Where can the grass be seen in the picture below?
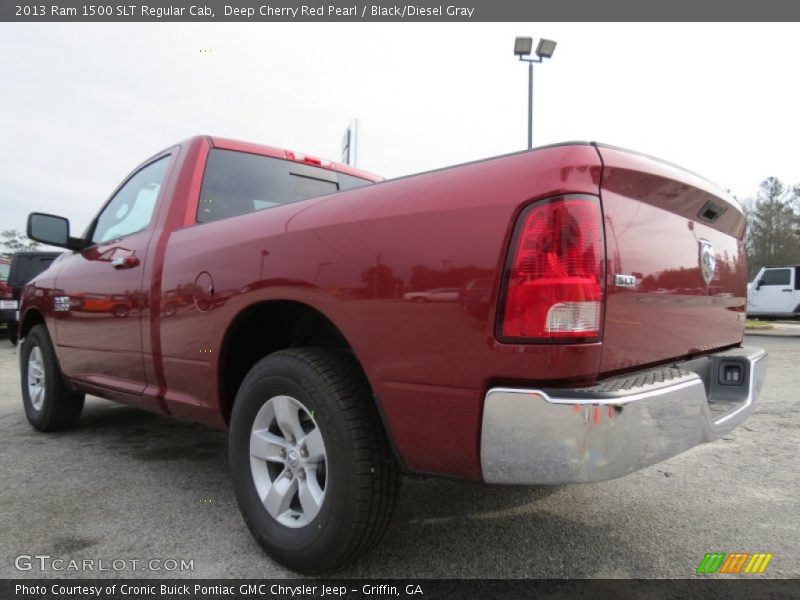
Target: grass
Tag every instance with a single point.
(757, 324)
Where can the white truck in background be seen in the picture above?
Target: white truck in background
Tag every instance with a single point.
(775, 292)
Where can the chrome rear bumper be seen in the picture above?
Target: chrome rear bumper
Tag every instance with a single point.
(620, 425)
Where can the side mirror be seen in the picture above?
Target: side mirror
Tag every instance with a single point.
(52, 230)
(759, 283)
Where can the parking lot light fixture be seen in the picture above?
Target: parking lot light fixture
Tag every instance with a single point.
(545, 48)
(522, 49)
(523, 46)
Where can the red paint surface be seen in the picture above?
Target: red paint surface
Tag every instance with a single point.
(652, 231)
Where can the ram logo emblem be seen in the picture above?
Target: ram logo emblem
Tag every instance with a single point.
(708, 262)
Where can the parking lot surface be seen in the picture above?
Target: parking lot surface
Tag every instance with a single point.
(128, 485)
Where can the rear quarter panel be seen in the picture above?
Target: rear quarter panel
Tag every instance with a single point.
(352, 256)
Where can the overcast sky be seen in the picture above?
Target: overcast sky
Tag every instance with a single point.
(82, 104)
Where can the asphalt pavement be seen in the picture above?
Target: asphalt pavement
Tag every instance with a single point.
(130, 486)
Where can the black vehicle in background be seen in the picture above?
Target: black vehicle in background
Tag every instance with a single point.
(24, 267)
(6, 298)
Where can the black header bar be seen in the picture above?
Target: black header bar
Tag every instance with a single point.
(408, 589)
(382, 10)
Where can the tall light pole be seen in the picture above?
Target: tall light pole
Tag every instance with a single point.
(522, 49)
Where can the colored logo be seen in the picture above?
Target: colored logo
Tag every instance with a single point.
(736, 562)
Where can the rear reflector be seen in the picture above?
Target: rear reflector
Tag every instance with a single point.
(554, 285)
(571, 317)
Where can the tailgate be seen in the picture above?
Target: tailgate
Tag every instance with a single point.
(677, 279)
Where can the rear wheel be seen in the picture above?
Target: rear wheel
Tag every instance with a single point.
(312, 470)
(49, 404)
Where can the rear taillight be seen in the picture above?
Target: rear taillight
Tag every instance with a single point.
(554, 277)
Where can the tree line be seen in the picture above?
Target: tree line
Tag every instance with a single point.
(12, 241)
(772, 237)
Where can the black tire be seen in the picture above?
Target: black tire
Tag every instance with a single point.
(60, 407)
(13, 332)
(362, 474)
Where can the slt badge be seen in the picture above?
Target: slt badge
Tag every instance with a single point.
(708, 262)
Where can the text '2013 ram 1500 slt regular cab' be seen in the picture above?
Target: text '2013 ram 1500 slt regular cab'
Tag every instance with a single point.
(593, 324)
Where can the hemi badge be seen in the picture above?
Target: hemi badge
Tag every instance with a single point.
(624, 281)
(60, 303)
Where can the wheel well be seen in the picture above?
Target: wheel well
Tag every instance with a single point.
(265, 328)
(29, 321)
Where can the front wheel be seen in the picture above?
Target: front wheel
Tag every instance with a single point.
(312, 470)
(49, 404)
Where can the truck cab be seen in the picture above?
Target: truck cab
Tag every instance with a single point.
(775, 292)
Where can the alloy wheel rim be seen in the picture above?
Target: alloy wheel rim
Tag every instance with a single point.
(288, 461)
(36, 383)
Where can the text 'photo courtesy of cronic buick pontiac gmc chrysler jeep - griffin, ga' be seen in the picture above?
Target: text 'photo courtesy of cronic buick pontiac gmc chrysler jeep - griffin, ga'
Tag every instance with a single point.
(568, 314)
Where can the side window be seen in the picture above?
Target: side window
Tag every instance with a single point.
(776, 277)
(238, 183)
(131, 209)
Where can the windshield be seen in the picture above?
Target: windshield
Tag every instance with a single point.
(4, 268)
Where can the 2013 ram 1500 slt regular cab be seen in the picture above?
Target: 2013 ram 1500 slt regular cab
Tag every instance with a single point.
(593, 323)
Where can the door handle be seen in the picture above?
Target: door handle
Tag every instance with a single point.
(787, 290)
(127, 262)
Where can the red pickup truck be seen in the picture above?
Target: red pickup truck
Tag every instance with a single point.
(271, 293)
